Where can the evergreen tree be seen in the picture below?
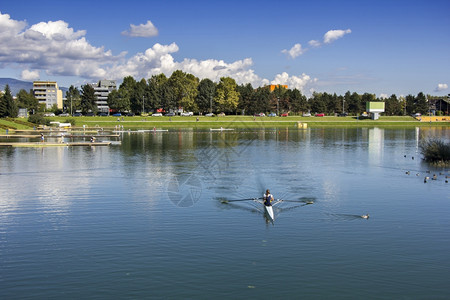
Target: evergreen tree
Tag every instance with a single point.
(73, 101)
(137, 96)
(2, 106)
(261, 101)
(156, 87)
(279, 100)
(27, 100)
(410, 104)
(88, 99)
(421, 104)
(126, 89)
(317, 103)
(205, 96)
(393, 106)
(245, 97)
(118, 100)
(8, 107)
(298, 101)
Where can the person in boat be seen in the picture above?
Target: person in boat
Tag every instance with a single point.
(268, 198)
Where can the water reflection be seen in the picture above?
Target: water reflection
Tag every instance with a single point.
(376, 145)
(72, 217)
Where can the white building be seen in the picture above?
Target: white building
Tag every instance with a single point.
(102, 90)
(48, 93)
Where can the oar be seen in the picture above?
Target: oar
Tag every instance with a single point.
(226, 201)
(298, 201)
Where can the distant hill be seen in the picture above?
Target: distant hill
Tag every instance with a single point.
(17, 85)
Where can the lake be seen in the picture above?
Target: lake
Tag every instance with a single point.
(146, 219)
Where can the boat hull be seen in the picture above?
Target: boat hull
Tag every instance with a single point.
(269, 211)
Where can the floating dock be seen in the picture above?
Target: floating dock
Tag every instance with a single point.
(221, 129)
(47, 144)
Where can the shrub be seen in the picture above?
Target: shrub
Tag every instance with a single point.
(38, 119)
(435, 151)
(71, 121)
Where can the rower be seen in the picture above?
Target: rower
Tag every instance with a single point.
(268, 198)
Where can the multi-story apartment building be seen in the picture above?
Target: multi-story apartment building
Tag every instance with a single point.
(102, 90)
(48, 93)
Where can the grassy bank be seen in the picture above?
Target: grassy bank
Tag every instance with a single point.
(236, 122)
(248, 121)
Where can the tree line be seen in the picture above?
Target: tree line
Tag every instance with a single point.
(184, 90)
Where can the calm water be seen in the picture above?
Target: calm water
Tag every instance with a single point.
(145, 219)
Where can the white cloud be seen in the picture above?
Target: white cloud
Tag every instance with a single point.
(9, 27)
(142, 30)
(333, 35)
(53, 47)
(298, 82)
(295, 51)
(328, 38)
(440, 87)
(57, 49)
(384, 96)
(58, 30)
(30, 75)
(314, 43)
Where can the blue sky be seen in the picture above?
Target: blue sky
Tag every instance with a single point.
(380, 47)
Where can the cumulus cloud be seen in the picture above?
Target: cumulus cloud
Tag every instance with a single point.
(142, 30)
(328, 38)
(30, 75)
(57, 49)
(441, 87)
(298, 82)
(333, 35)
(53, 47)
(295, 51)
(58, 31)
(9, 27)
(384, 96)
(314, 43)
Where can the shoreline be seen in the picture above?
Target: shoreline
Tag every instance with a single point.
(234, 122)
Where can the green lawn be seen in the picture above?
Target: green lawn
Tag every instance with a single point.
(233, 121)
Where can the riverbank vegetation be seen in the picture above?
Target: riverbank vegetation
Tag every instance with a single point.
(436, 151)
(185, 91)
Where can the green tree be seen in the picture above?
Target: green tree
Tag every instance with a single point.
(156, 88)
(354, 103)
(8, 107)
(227, 97)
(205, 96)
(330, 102)
(118, 100)
(317, 103)
(2, 106)
(299, 103)
(184, 90)
(421, 104)
(279, 100)
(393, 106)
(260, 101)
(73, 101)
(137, 96)
(127, 88)
(27, 100)
(88, 99)
(410, 104)
(246, 93)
